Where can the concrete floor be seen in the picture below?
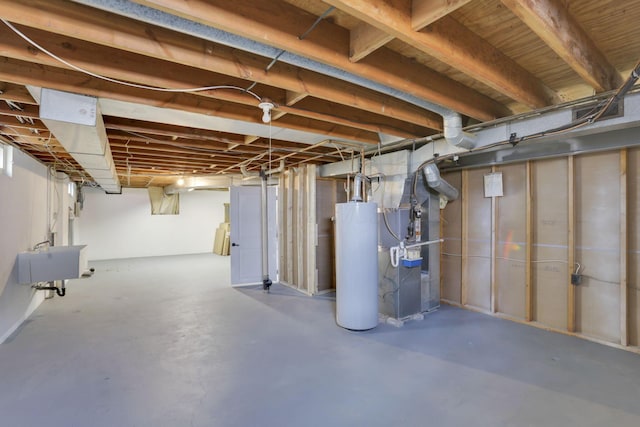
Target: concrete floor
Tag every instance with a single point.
(167, 342)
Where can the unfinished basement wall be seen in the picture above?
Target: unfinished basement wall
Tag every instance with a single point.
(121, 225)
(306, 209)
(512, 256)
(23, 224)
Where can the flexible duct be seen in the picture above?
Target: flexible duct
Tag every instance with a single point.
(452, 121)
(435, 181)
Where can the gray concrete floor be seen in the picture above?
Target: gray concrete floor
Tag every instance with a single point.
(166, 342)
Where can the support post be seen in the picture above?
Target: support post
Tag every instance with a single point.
(571, 243)
(528, 278)
(464, 275)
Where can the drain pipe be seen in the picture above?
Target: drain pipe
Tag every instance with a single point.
(266, 281)
(453, 132)
(61, 291)
(264, 225)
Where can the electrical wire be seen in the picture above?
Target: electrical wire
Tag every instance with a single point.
(542, 261)
(591, 117)
(122, 82)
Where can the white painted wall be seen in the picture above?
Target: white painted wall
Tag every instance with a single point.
(23, 223)
(121, 226)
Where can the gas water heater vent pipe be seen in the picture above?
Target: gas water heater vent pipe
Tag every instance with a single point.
(357, 188)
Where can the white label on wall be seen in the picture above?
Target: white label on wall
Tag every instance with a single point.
(493, 185)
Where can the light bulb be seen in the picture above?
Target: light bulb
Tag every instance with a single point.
(180, 181)
(266, 111)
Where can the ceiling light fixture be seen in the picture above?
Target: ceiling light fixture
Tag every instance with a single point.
(180, 181)
(266, 107)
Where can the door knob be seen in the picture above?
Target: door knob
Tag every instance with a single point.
(235, 244)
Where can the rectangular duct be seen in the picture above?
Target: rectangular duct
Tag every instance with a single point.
(77, 123)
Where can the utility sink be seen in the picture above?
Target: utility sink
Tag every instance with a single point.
(52, 263)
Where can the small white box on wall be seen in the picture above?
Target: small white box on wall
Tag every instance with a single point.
(493, 185)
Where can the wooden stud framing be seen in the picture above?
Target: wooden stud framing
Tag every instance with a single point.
(571, 243)
(624, 290)
(528, 298)
(290, 226)
(465, 242)
(282, 231)
(310, 230)
(299, 194)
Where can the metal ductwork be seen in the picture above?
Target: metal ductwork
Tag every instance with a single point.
(437, 183)
(77, 124)
(454, 134)
(452, 121)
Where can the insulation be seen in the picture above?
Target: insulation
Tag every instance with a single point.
(163, 204)
(597, 198)
(511, 242)
(452, 245)
(633, 235)
(479, 242)
(602, 193)
(550, 215)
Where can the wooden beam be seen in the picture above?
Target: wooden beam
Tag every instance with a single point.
(328, 44)
(552, 22)
(310, 228)
(91, 25)
(571, 244)
(364, 39)
(155, 72)
(294, 97)
(464, 273)
(290, 225)
(455, 45)
(173, 131)
(426, 12)
(624, 252)
(300, 229)
(528, 271)
(24, 73)
(16, 93)
(30, 111)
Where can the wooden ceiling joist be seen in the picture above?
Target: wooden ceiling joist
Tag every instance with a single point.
(484, 59)
(365, 39)
(127, 67)
(72, 81)
(553, 23)
(15, 93)
(282, 24)
(455, 45)
(105, 29)
(426, 12)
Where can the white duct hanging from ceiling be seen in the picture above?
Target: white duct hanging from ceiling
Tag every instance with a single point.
(76, 122)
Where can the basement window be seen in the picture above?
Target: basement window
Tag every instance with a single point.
(6, 160)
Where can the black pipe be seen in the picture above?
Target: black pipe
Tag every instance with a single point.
(61, 291)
